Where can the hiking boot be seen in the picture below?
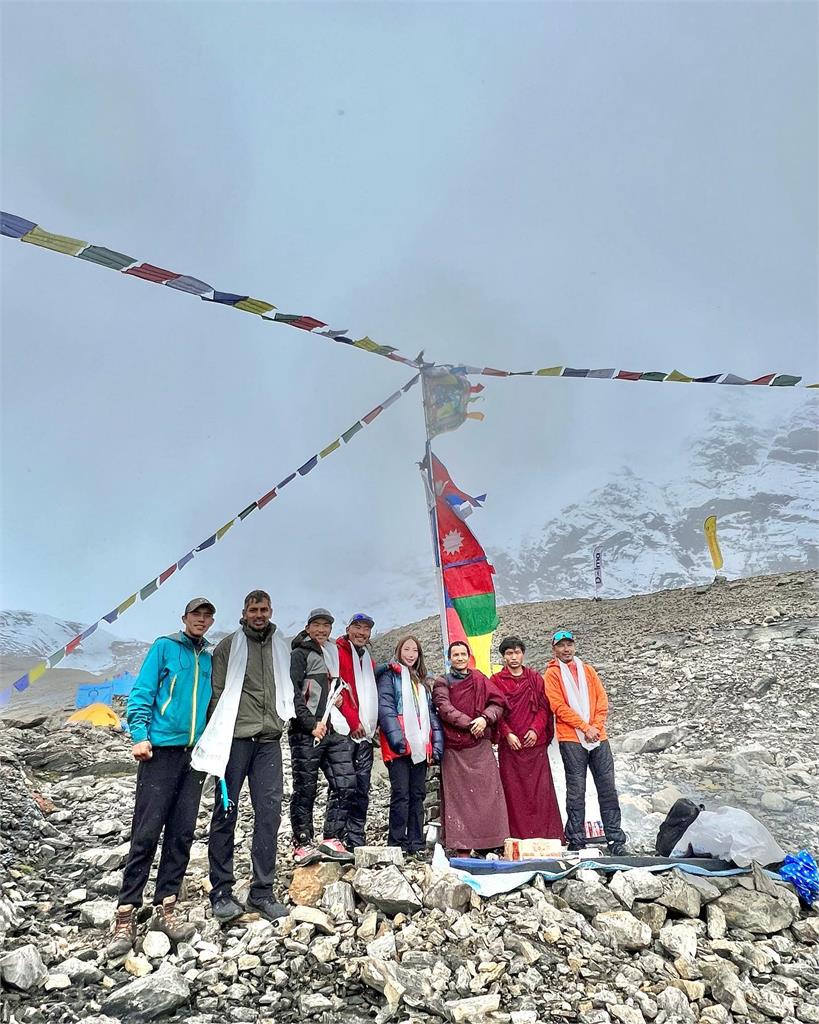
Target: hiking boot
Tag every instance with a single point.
(165, 920)
(617, 850)
(227, 908)
(306, 854)
(124, 932)
(334, 849)
(267, 907)
(576, 847)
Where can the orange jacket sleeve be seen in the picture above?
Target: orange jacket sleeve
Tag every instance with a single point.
(601, 700)
(557, 699)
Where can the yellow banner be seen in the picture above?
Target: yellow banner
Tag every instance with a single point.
(710, 528)
(481, 647)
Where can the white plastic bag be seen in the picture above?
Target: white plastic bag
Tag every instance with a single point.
(730, 834)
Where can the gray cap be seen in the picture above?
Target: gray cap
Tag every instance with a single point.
(200, 602)
(320, 613)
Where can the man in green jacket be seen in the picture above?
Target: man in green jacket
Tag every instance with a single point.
(166, 714)
(255, 755)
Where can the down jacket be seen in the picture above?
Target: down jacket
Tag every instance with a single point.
(391, 716)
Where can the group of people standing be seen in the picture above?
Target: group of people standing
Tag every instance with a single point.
(192, 713)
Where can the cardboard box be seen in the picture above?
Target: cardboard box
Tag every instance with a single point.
(532, 849)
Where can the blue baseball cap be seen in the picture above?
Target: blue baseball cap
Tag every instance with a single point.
(562, 634)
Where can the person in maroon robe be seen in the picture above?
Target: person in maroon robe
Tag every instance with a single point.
(469, 707)
(523, 736)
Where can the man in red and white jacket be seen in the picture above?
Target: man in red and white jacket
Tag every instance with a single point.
(360, 709)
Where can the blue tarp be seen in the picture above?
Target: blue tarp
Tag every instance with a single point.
(123, 684)
(94, 693)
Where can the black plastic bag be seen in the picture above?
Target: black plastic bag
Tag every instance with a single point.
(681, 815)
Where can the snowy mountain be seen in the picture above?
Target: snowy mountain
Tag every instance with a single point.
(34, 635)
(762, 485)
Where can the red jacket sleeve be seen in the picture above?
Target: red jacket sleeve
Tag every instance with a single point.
(447, 711)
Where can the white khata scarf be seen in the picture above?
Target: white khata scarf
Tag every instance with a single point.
(337, 720)
(367, 692)
(416, 716)
(577, 694)
(212, 752)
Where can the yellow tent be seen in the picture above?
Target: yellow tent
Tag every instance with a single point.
(96, 714)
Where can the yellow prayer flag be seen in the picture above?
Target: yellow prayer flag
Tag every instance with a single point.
(676, 375)
(368, 344)
(550, 371)
(224, 529)
(710, 528)
(59, 243)
(330, 448)
(254, 306)
(37, 671)
(481, 647)
(126, 604)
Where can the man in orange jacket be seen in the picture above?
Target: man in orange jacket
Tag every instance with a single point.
(580, 705)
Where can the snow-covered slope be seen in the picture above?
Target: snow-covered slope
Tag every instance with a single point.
(762, 485)
(34, 635)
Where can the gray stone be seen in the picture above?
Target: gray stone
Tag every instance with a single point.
(636, 884)
(23, 968)
(589, 898)
(373, 856)
(57, 982)
(447, 892)
(626, 1014)
(664, 799)
(338, 899)
(717, 924)
(625, 928)
(155, 945)
(807, 930)
(386, 889)
(464, 1011)
(808, 1013)
(382, 948)
(651, 740)
(81, 972)
(674, 1004)
(312, 915)
(651, 914)
(106, 827)
(770, 1002)
(727, 989)
(98, 913)
(756, 912)
(679, 940)
(324, 948)
(680, 896)
(313, 1003)
(148, 998)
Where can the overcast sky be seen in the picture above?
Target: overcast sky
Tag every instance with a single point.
(519, 185)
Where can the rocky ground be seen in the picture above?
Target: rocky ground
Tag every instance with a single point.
(729, 673)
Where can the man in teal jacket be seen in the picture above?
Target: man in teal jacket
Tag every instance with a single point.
(167, 712)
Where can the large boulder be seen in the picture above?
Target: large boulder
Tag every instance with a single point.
(23, 968)
(588, 898)
(625, 928)
(636, 884)
(678, 895)
(756, 912)
(148, 998)
(651, 740)
(386, 889)
(446, 891)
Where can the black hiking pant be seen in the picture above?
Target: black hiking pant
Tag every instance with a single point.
(576, 762)
(333, 757)
(408, 786)
(261, 765)
(362, 757)
(167, 797)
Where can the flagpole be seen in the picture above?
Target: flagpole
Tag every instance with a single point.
(432, 509)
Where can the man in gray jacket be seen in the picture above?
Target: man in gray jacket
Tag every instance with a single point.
(256, 755)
